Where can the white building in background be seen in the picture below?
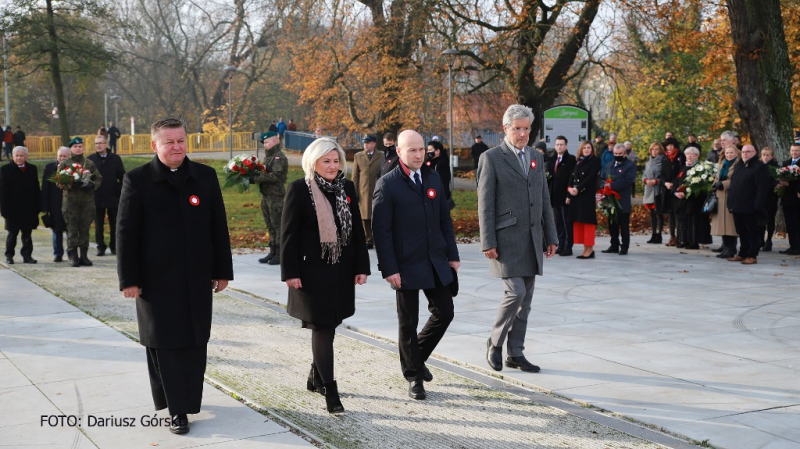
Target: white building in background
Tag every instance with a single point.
(597, 94)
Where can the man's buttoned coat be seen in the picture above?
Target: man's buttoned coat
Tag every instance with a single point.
(559, 179)
(624, 175)
(172, 241)
(412, 230)
(52, 198)
(112, 170)
(514, 211)
(19, 196)
(366, 171)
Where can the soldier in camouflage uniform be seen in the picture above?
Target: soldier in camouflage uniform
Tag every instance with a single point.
(272, 184)
(78, 205)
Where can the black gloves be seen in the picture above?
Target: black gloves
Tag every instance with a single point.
(718, 185)
(88, 185)
(252, 179)
(77, 184)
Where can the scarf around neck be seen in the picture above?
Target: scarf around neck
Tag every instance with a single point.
(331, 239)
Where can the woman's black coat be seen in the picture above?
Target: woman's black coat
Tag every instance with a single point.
(691, 205)
(669, 173)
(328, 293)
(52, 197)
(19, 196)
(172, 242)
(582, 207)
(772, 196)
(442, 166)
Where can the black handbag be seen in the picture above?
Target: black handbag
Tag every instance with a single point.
(710, 205)
(47, 220)
(454, 284)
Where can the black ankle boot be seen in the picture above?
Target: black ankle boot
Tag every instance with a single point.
(314, 382)
(727, 251)
(332, 398)
(73, 257)
(269, 256)
(85, 256)
(767, 246)
(657, 238)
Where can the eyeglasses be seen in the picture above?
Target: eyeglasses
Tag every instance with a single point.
(748, 151)
(517, 129)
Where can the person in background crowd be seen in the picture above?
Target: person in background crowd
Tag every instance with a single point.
(607, 156)
(768, 158)
(633, 157)
(366, 168)
(79, 206)
(281, 127)
(19, 137)
(738, 142)
(416, 250)
(20, 201)
(541, 147)
(747, 200)
(692, 142)
(8, 142)
(716, 150)
(271, 184)
(292, 126)
(103, 132)
(600, 145)
(669, 135)
(559, 168)
(722, 220)
(477, 149)
(689, 209)
(390, 159)
(582, 203)
(620, 174)
(51, 204)
(790, 202)
(670, 167)
(106, 197)
(323, 257)
(113, 137)
(437, 160)
(273, 128)
(653, 188)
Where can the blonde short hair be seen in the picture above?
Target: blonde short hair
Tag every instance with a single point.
(316, 150)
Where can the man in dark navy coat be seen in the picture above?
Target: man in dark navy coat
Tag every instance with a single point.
(19, 203)
(52, 198)
(622, 173)
(416, 249)
(559, 168)
(106, 197)
(173, 249)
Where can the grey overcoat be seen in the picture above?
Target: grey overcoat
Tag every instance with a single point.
(514, 211)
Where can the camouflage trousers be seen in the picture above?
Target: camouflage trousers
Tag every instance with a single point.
(79, 219)
(271, 209)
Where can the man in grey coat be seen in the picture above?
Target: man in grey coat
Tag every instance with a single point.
(515, 222)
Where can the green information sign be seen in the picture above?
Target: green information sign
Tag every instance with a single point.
(569, 121)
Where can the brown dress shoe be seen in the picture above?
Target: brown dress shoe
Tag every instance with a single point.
(750, 261)
(736, 258)
(672, 241)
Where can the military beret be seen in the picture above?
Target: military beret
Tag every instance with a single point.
(369, 138)
(267, 135)
(75, 141)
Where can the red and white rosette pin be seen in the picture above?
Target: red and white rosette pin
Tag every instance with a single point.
(533, 165)
(194, 200)
(348, 200)
(431, 193)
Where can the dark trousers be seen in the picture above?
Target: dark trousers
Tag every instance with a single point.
(176, 378)
(623, 223)
(99, 218)
(791, 215)
(58, 243)
(563, 227)
(11, 242)
(749, 237)
(416, 348)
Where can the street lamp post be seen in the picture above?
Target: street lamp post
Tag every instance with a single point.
(450, 56)
(230, 70)
(105, 110)
(115, 99)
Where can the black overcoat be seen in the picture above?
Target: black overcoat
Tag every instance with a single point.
(584, 178)
(749, 188)
(328, 294)
(52, 198)
(442, 166)
(172, 241)
(413, 232)
(692, 204)
(19, 196)
(560, 180)
(789, 198)
(112, 170)
(669, 173)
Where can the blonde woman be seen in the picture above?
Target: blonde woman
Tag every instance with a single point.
(722, 219)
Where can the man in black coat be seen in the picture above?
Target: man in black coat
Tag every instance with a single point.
(559, 169)
(416, 250)
(173, 249)
(390, 159)
(477, 149)
(19, 203)
(791, 204)
(19, 137)
(52, 199)
(623, 172)
(113, 136)
(106, 198)
(747, 201)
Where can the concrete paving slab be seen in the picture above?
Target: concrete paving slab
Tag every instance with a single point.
(58, 322)
(35, 436)
(11, 376)
(23, 406)
(100, 395)
(282, 440)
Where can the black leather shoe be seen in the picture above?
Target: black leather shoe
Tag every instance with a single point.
(314, 382)
(610, 250)
(57, 259)
(767, 246)
(370, 245)
(793, 252)
(783, 251)
(426, 374)
(9, 260)
(416, 390)
(101, 252)
(275, 260)
(494, 356)
(566, 252)
(719, 250)
(113, 252)
(590, 256)
(623, 251)
(179, 424)
(29, 260)
(559, 250)
(521, 363)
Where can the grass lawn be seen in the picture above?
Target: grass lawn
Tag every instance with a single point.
(246, 225)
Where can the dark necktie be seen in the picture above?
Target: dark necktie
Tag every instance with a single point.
(522, 162)
(557, 163)
(794, 162)
(418, 181)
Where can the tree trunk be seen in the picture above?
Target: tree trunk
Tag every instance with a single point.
(763, 73)
(55, 73)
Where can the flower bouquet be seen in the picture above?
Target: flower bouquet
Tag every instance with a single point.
(71, 173)
(240, 170)
(787, 174)
(608, 202)
(699, 179)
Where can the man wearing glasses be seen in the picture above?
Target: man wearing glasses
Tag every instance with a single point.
(516, 222)
(747, 201)
(106, 197)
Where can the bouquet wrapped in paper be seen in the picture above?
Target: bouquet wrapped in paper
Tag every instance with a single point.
(699, 179)
(240, 170)
(785, 174)
(608, 202)
(70, 174)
